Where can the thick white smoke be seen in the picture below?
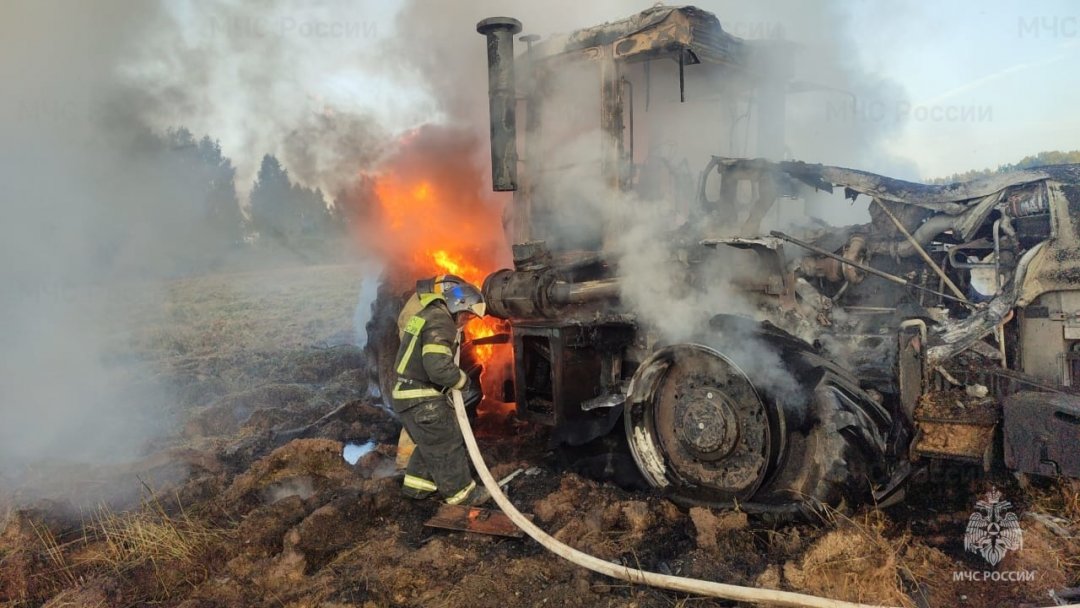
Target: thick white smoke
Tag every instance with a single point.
(305, 82)
(648, 241)
(327, 87)
(431, 59)
(77, 239)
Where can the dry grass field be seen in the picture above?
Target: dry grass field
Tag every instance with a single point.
(225, 509)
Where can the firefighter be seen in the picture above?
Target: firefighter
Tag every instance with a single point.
(429, 327)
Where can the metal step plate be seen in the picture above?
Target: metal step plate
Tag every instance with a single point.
(475, 519)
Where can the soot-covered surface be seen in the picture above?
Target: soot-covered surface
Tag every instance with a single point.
(239, 510)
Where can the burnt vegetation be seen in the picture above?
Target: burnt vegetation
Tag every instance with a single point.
(681, 389)
(244, 513)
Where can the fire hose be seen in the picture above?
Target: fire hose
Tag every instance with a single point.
(631, 575)
(755, 595)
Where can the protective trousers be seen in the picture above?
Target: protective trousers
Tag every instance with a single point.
(439, 462)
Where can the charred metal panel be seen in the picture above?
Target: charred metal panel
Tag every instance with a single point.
(557, 367)
(770, 251)
(1042, 432)
(944, 198)
(474, 519)
(1050, 338)
(660, 30)
(1057, 267)
(912, 339)
(1042, 338)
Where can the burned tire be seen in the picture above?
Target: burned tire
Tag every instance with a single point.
(382, 339)
(705, 431)
(838, 456)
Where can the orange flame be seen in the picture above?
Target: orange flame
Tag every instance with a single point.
(435, 215)
(460, 267)
(494, 358)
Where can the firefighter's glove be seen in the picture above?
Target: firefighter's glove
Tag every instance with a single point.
(471, 393)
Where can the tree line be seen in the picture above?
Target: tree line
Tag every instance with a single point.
(281, 213)
(1052, 157)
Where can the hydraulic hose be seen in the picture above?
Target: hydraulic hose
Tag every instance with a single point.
(625, 573)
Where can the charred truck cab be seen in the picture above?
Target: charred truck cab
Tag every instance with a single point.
(948, 327)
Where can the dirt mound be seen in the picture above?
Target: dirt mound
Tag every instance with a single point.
(339, 524)
(360, 420)
(848, 564)
(303, 466)
(711, 526)
(602, 520)
(253, 504)
(23, 533)
(263, 528)
(1046, 554)
(280, 557)
(858, 562)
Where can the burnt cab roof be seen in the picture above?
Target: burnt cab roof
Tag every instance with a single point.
(658, 31)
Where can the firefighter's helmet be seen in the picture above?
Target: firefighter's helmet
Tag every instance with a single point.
(460, 295)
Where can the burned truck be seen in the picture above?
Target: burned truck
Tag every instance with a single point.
(764, 359)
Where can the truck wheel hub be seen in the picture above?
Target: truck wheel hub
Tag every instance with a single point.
(696, 425)
(707, 425)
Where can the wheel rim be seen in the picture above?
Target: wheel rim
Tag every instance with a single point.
(696, 425)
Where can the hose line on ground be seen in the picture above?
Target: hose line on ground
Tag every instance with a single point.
(631, 575)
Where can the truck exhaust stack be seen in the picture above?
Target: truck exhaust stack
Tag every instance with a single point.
(500, 33)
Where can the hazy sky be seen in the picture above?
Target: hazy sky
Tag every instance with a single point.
(988, 81)
(1013, 66)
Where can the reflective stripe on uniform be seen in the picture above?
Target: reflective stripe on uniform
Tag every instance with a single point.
(413, 393)
(412, 328)
(419, 483)
(428, 298)
(462, 495)
(436, 349)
